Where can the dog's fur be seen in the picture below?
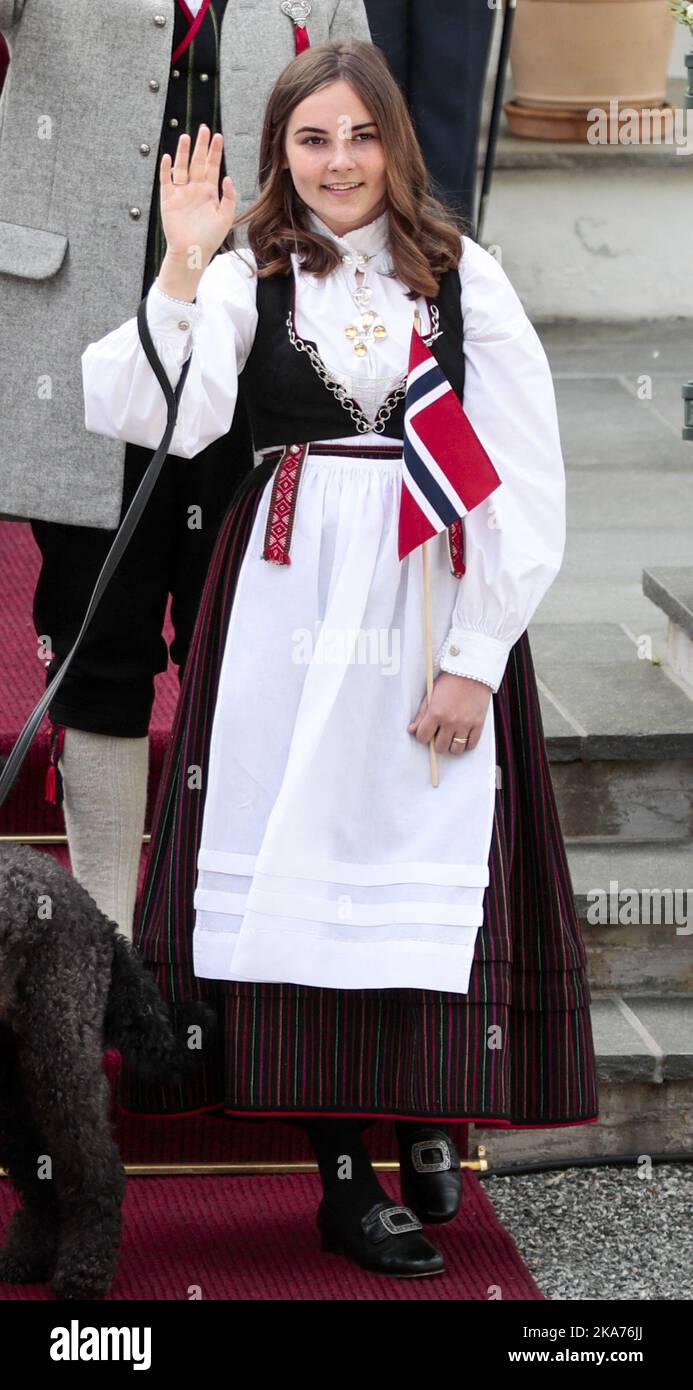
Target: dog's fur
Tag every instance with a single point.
(70, 986)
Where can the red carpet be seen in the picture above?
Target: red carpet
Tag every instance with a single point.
(255, 1238)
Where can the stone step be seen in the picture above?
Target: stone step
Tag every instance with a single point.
(670, 587)
(605, 693)
(644, 1051)
(619, 732)
(644, 1037)
(635, 904)
(616, 802)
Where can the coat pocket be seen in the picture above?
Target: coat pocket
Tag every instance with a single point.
(30, 252)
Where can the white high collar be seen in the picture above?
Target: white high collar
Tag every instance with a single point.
(370, 239)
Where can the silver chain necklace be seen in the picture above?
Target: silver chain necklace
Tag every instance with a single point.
(363, 424)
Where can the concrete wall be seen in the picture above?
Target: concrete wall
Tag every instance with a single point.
(596, 243)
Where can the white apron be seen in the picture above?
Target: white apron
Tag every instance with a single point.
(327, 857)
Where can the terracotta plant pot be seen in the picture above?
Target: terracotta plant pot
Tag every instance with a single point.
(569, 56)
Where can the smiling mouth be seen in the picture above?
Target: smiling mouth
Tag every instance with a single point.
(341, 187)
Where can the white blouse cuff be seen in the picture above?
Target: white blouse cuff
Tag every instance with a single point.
(167, 317)
(474, 654)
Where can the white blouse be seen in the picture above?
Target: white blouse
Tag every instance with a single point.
(514, 542)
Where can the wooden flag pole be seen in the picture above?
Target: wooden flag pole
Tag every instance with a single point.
(427, 617)
(429, 654)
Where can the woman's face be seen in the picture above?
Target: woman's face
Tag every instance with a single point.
(333, 141)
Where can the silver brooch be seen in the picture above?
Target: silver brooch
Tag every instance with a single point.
(362, 297)
(298, 10)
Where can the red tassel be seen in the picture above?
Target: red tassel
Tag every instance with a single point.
(297, 11)
(282, 507)
(301, 37)
(53, 792)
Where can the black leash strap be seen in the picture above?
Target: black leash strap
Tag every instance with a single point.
(21, 747)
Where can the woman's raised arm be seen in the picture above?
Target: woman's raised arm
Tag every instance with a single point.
(122, 396)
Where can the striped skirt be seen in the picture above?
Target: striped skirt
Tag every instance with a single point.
(515, 1051)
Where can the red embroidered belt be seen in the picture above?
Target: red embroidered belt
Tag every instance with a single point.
(284, 495)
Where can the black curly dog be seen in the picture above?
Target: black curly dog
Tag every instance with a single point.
(70, 986)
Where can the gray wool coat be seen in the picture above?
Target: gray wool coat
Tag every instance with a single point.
(76, 107)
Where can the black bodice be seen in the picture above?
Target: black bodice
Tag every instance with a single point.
(287, 401)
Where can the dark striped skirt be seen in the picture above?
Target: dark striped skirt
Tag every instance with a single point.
(516, 1050)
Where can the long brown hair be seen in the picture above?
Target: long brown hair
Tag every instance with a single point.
(424, 235)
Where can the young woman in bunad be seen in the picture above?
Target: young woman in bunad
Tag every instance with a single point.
(375, 945)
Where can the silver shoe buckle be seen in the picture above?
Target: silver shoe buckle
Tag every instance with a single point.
(397, 1228)
(437, 1166)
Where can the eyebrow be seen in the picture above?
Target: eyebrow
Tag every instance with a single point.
(317, 130)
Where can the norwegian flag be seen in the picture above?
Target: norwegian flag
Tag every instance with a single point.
(446, 470)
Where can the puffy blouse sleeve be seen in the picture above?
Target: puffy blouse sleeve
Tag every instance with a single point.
(514, 541)
(122, 397)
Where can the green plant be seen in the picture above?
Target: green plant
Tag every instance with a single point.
(682, 10)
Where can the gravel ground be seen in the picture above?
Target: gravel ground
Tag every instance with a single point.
(602, 1233)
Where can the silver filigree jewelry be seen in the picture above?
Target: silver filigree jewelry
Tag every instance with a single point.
(365, 332)
(340, 393)
(361, 296)
(298, 10)
(362, 258)
(436, 330)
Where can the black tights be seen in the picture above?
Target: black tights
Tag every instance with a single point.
(344, 1162)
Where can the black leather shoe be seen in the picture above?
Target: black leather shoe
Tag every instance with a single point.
(387, 1239)
(430, 1175)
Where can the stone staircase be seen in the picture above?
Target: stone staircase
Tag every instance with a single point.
(627, 807)
(595, 231)
(621, 750)
(612, 645)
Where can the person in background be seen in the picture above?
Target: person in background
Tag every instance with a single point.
(438, 51)
(81, 244)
